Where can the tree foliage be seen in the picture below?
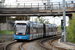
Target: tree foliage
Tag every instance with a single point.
(36, 20)
(41, 20)
(47, 22)
(71, 30)
(59, 27)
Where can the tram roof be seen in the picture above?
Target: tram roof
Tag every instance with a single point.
(22, 21)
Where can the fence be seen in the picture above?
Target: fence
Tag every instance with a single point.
(40, 6)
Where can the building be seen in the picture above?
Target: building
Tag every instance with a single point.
(2, 2)
(3, 26)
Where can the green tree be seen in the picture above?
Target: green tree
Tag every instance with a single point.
(41, 20)
(47, 21)
(36, 20)
(71, 31)
(59, 27)
(27, 18)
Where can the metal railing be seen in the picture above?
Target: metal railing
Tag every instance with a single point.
(52, 6)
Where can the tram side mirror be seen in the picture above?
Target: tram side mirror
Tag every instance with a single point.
(62, 26)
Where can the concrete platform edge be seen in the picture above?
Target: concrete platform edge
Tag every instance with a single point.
(66, 45)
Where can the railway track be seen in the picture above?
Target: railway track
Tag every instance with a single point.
(21, 45)
(49, 43)
(5, 48)
(56, 47)
(14, 46)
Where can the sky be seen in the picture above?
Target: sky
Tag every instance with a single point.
(56, 20)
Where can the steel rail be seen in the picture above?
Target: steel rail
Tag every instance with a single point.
(56, 46)
(5, 48)
(22, 45)
(52, 39)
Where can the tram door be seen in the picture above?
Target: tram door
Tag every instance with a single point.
(40, 30)
(55, 29)
(48, 29)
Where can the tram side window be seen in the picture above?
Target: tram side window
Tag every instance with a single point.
(28, 30)
(40, 29)
(36, 30)
(46, 29)
(55, 29)
(21, 23)
(51, 29)
(32, 30)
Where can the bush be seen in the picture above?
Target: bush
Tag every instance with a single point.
(59, 27)
(71, 30)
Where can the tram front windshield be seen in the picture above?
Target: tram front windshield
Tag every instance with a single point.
(21, 27)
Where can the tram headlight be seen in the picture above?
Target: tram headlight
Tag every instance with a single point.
(24, 33)
(16, 33)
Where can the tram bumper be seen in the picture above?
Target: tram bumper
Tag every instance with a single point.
(21, 37)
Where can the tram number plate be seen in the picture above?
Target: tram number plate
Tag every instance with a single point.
(19, 37)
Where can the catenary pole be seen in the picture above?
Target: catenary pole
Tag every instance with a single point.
(64, 20)
(6, 26)
(50, 4)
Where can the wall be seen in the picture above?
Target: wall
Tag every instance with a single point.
(3, 26)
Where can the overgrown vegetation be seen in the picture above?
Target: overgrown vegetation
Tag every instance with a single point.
(71, 30)
(59, 28)
(41, 20)
(4, 32)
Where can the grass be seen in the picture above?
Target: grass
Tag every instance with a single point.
(4, 32)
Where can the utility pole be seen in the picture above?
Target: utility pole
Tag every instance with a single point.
(50, 6)
(6, 25)
(64, 20)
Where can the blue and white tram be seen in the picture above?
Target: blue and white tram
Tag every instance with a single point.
(21, 30)
(25, 30)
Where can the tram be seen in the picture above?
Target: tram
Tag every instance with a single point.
(26, 30)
